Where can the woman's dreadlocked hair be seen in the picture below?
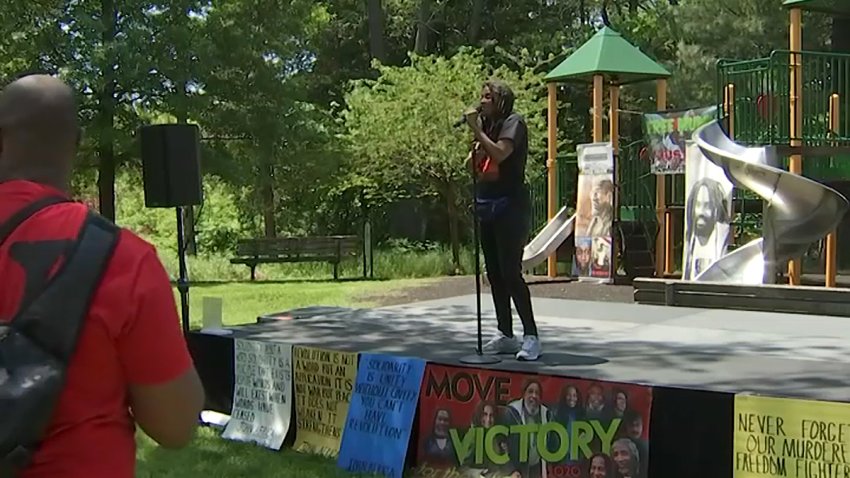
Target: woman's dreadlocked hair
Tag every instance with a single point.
(504, 99)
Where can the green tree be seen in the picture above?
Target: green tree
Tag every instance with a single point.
(400, 134)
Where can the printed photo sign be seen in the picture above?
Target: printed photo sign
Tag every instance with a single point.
(594, 212)
(708, 213)
(475, 422)
(666, 135)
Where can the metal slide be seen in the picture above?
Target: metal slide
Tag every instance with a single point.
(798, 211)
(558, 230)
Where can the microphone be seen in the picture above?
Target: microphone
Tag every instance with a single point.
(462, 119)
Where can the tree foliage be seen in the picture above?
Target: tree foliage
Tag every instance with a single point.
(317, 113)
(399, 128)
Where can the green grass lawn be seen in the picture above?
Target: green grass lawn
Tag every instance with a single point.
(211, 456)
(242, 302)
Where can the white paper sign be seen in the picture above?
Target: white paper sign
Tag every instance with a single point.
(262, 393)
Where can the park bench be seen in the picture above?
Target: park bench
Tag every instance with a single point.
(330, 249)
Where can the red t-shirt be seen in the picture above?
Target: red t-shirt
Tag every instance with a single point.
(131, 335)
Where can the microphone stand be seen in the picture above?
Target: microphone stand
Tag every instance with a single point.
(479, 358)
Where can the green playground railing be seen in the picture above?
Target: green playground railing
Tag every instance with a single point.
(762, 104)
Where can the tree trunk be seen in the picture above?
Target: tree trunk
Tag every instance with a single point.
(475, 21)
(377, 45)
(106, 113)
(454, 222)
(267, 193)
(423, 17)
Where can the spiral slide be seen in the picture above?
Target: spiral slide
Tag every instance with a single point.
(798, 211)
(558, 230)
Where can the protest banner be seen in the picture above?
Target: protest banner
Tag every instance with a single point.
(781, 437)
(594, 212)
(262, 393)
(666, 134)
(708, 213)
(497, 424)
(380, 418)
(324, 380)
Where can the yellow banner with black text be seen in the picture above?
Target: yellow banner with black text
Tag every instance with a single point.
(779, 437)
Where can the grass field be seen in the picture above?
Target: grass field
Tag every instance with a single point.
(242, 302)
(211, 456)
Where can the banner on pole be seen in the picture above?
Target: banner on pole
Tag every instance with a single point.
(667, 133)
(594, 212)
(708, 213)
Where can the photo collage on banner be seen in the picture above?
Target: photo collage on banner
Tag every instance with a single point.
(666, 135)
(790, 438)
(708, 213)
(594, 212)
(496, 424)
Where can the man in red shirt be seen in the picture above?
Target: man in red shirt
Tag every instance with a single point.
(131, 365)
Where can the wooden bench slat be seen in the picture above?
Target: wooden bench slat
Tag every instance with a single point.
(332, 249)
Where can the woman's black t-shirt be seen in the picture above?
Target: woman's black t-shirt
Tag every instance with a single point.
(511, 179)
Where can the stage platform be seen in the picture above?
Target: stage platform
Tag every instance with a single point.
(696, 360)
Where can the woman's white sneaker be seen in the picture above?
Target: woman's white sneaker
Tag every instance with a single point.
(531, 349)
(502, 345)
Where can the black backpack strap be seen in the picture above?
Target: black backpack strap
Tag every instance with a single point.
(55, 318)
(8, 227)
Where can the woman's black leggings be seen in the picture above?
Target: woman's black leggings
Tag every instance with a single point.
(502, 241)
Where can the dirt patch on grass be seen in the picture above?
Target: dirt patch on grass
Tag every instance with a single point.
(445, 287)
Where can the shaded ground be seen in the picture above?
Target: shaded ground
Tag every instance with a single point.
(446, 287)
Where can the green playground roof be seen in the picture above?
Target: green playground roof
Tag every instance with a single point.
(823, 6)
(608, 53)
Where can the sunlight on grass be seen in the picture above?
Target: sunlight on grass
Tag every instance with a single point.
(211, 456)
(243, 302)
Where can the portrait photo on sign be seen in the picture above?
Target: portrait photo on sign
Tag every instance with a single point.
(594, 205)
(581, 260)
(600, 265)
(708, 213)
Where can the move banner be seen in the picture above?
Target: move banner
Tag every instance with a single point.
(494, 424)
(380, 418)
(324, 380)
(708, 213)
(666, 134)
(262, 393)
(790, 438)
(594, 212)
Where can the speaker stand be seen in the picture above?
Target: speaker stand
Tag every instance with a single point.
(182, 281)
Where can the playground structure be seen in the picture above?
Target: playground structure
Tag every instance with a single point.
(790, 102)
(606, 59)
(799, 211)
